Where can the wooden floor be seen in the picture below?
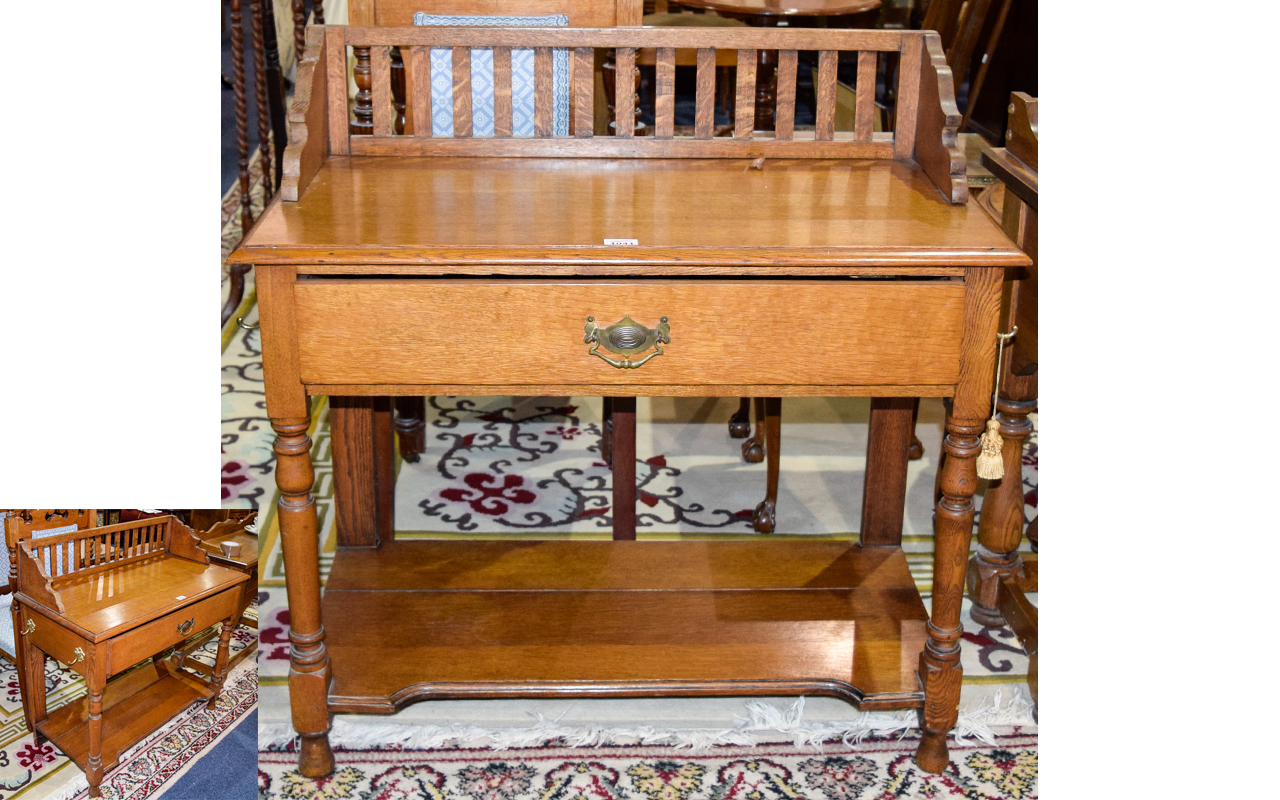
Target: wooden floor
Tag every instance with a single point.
(436, 619)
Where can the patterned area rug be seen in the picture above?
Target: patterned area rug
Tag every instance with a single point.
(42, 772)
(878, 767)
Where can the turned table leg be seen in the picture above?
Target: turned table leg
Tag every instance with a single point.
(95, 679)
(753, 449)
(740, 422)
(411, 427)
(309, 671)
(1000, 528)
(940, 672)
(765, 519)
(220, 665)
(623, 434)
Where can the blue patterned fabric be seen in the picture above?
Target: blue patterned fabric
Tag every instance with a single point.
(482, 78)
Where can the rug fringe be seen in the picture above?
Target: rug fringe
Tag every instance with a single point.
(762, 717)
(77, 785)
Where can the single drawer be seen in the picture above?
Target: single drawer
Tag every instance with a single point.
(146, 640)
(55, 640)
(493, 331)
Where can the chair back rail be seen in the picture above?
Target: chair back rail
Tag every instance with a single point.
(925, 130)
(44, 564)
(25, 523)
(581, 13)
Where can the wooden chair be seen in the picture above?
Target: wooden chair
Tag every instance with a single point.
(998, 577)
(22, 524)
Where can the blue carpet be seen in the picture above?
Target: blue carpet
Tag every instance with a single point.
(227, 772)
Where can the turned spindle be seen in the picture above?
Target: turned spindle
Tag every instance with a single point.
(260, 92)
(362, 125)
(241, 115)
(397, 89)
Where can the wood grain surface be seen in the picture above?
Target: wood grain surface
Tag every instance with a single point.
(581, 13)
(464, 209)
(634, 615)
(817, 332)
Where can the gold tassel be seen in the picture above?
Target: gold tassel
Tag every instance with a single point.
(991, 459)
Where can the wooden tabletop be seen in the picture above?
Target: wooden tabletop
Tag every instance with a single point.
(106, 603)
(503, 211)
(780, 8)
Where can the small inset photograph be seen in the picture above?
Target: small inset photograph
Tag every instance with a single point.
(125, 669)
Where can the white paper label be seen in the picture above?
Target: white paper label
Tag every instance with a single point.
(622, 241)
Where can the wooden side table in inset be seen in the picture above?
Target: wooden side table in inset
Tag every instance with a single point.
(103, 600)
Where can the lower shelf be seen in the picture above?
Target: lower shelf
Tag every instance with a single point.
(416, 620)
(133, 706)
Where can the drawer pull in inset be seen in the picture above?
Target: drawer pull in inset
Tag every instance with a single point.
(79, 656)
(30, 627)
(627, 338)
(185, 627)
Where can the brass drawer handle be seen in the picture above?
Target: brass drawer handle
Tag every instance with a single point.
(185, 627)
(29, 628)
(627, 338)
(79, 656)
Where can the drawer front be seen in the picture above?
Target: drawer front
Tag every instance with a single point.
(56, 641)
(129, 648)
(459, 331)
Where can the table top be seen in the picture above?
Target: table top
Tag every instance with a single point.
(108, 602)
(502, 211)
(788, 8)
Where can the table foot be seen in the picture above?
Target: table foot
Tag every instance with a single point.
(315, 757)
(766, 517)
(740, 422)
(931, 755)
(916, 451)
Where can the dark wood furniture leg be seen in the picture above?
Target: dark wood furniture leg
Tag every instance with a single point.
(275, 89)
(1000, 527)
(363, 469)
(606, 432)
(753, 449)
(740, 422)
(917, 447)
(411, 427)
(265, 144)
(940, 671)
(241, 115)
(624, 468)
(884, 490)
(765, 519)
